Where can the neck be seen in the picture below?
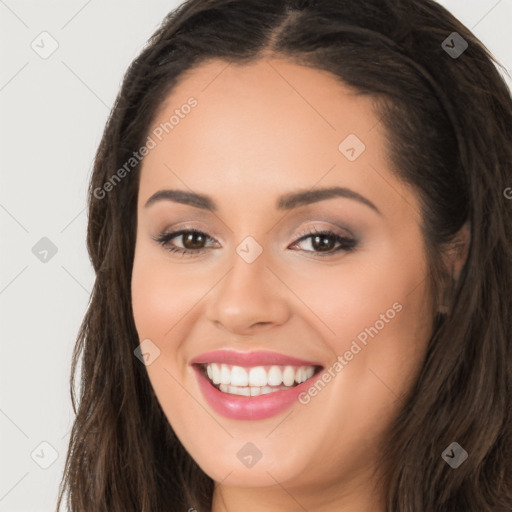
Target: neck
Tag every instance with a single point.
(352, 497)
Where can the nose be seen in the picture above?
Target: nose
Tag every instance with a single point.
(248, 299)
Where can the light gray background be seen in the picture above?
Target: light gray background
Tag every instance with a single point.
(52, 114)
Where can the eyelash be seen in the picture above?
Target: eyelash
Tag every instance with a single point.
(347, 244)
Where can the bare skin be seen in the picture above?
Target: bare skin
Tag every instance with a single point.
(258, 132)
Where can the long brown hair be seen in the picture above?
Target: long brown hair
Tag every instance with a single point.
(449, 123)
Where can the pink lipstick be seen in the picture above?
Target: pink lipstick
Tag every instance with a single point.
(252, 385)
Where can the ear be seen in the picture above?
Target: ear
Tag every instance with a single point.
(457, 254)
(454, 258)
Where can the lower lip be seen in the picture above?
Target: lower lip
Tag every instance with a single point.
(249, 407)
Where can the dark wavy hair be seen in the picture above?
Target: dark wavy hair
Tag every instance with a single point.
(448, 122)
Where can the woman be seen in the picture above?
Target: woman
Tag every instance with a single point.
(298, 223)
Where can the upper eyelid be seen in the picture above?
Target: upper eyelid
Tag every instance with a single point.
(332, 227)
(303, 234)
(343, 232)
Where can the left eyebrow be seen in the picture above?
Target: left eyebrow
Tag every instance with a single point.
(285, 202)
(301, 198)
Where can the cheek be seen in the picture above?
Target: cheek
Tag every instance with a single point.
(151, 302)
(162, 299)
(385, 290)
(161, 295)
(375, 315)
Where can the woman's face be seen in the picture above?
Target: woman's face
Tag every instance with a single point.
(282, 278)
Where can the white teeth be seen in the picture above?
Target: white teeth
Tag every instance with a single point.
(288, 376)
(275, 376)
(215, 373)
(250, 391)
(257, 380)
(257, 376)
(255, 391)
(225, 374)
(235, 390)
(239, 376)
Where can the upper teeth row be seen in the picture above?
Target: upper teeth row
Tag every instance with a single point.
(258, 375)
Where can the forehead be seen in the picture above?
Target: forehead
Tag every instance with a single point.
(268, 125)
(270, 97)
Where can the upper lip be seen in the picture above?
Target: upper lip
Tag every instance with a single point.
(253, 358)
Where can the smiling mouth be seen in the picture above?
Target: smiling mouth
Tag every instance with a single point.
(256, 380)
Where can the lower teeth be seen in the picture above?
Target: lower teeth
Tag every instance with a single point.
(250, 391)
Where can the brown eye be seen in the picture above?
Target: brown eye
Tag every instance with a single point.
(193, 242)
(323, 243)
